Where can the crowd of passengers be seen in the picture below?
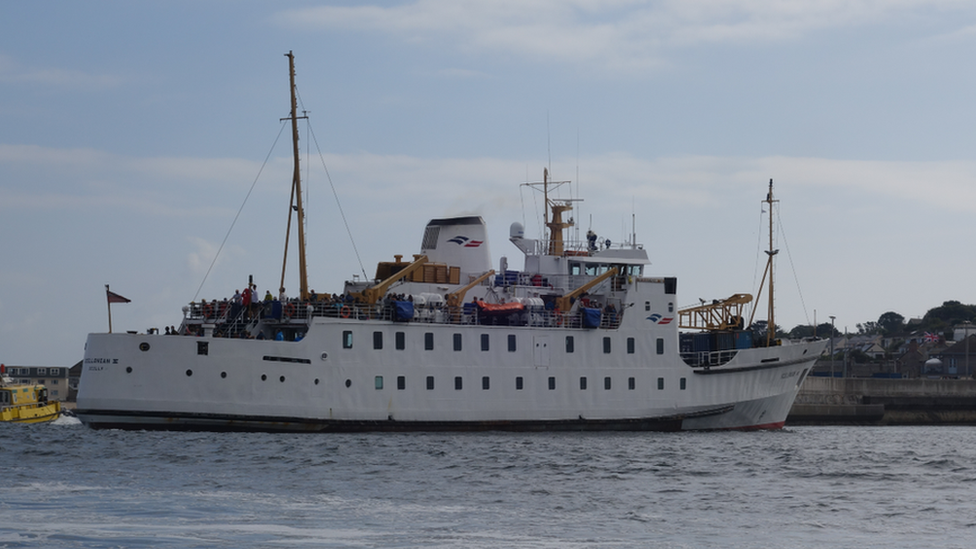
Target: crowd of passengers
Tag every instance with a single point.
(247, 305)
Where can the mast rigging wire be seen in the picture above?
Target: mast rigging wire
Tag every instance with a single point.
(239, 210)
(338, 203)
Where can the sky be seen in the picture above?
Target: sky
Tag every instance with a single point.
(139, 138)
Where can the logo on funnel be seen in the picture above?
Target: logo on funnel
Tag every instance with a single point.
(466, 242)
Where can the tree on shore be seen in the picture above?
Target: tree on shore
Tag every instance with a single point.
(824, 329)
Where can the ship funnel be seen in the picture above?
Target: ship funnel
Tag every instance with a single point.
(458, 241)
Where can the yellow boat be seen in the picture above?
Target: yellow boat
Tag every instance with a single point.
(26, 403)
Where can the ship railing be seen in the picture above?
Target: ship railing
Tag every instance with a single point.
(698, 359)
(232, 320)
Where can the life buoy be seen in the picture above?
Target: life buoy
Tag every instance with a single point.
(290, 310)
(207, 310)
(344, 311)
(559, 317)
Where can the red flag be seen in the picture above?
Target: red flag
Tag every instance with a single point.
(116, 298)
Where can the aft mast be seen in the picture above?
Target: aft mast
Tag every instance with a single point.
(771, 327)
(296, 193)
(771, 324)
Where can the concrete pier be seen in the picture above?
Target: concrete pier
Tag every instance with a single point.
(868, 401)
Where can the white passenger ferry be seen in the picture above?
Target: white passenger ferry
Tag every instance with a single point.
(579, 338)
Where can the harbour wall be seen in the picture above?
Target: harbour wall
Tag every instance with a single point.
(869, 401)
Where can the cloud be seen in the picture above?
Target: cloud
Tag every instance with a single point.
(70, 79)
(625, 35)
(64, 179)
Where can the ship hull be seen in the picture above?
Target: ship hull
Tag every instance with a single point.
(134, 381)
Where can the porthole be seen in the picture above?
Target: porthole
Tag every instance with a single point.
(189, 373)
(264, 377)
(281, 379)
(223, 374)
(143, 346)
(316, 381)
(128, 369)
(325, 356)
(348, 383)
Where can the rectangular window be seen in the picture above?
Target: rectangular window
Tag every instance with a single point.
(570, 344)
(606, 345)
(660, 384)
(606, 384)
(684, 384)
(347, 339)
(457, 383)
(203, 347)
(378, 383)
(484, 342)
(631, 383)
(401, 341)
(583, 383)
(552, 384)
(55, 371)
(401, 383)
(518, 383)
(630, 345)
(660, 345)
(457, 342)
(430, 383)
(511, 343)
(485, 383)
(377, 340)
(42, 371)
(429, 341)
(54, 382)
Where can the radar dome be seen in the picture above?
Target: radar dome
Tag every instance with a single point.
(516, 230)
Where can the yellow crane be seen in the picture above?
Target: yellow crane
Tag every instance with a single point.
(456, 298)
(373, 294)
(565, 302)
(719, 315)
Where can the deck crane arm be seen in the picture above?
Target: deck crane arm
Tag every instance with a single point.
(373, 294)
(456, 298)
(564, 303)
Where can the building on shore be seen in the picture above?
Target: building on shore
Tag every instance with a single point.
(55, 378)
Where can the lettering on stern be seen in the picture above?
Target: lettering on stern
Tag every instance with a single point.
(97, 364)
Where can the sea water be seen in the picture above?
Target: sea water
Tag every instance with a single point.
(64, 485)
